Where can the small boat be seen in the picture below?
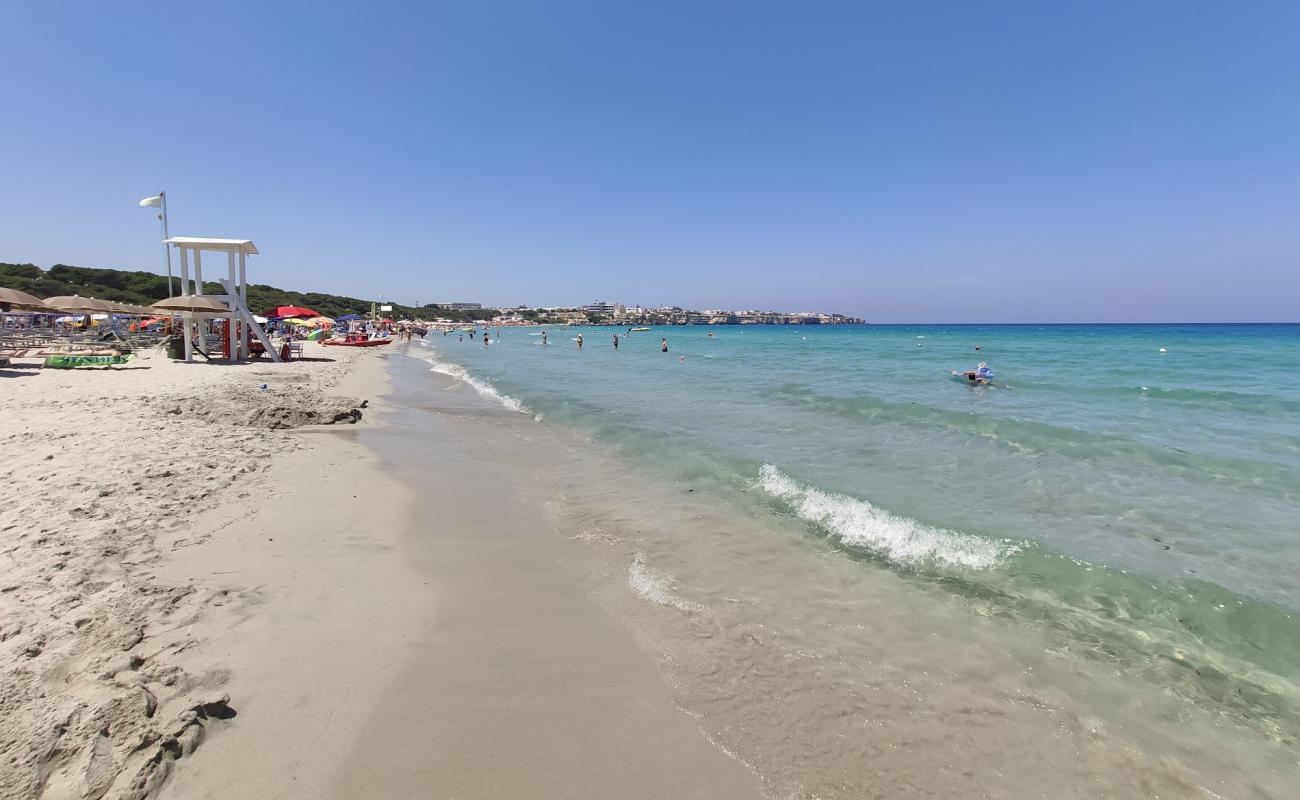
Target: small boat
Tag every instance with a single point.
(638, 330)
(356, 340)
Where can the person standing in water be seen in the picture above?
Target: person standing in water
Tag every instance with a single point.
(615, 340)
(663, 345)
(543, 337)
(579, 340)
(485, 338)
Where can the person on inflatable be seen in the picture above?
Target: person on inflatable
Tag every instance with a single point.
(981, 374)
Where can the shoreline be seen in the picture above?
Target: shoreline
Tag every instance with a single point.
(834, 674)
(522, 684)
(306, 637)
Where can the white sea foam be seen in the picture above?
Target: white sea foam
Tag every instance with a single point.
(858, 523)
(656, 587)
(483, 388)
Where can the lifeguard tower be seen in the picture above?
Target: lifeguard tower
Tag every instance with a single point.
(235, 297)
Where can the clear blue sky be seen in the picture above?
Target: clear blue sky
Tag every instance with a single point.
(909, 161)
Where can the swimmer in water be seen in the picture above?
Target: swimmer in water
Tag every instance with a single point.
(663, 345)
(485, 338)
(579, 340)
(615, 341)
(982, 375)
(543, 337)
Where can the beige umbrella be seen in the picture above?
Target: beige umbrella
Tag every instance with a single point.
(22, 300)
(74, 302)
(192, 303)
(133, 310)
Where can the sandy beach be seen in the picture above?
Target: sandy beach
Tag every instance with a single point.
(212, 588)
(112, 611)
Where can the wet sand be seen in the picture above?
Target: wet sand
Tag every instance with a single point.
(426, 639)
(522, 685)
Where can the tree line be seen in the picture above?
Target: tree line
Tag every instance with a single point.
(143, 288)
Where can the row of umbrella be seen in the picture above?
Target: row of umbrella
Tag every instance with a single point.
(25, 302)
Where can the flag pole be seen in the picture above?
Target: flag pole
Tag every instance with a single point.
(166, 247)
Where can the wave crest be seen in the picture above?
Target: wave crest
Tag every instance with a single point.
(483, 388)
(857, 523)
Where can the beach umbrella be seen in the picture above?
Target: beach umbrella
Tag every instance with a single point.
(192, 303)
(289, 311)
(22, 300)
(260, 320)
(296, 322)
(74, 302)
(349, 317)
(132, 310)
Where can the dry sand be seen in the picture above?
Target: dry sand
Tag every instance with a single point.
(182, 563)
(105, 476)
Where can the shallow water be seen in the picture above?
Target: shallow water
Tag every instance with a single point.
(1129, 535)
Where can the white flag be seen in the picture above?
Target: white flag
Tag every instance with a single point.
(154, 201)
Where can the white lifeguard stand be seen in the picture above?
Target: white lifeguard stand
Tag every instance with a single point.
(236, 296)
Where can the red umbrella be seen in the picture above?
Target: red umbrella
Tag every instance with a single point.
(290, 311)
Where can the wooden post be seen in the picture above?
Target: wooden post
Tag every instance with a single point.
(242, 288)
(185, 315)
(234, 318)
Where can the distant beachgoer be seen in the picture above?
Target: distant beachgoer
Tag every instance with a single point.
(460, 338)
(663, 345)
(579, 340)
(485, 338)
(615, 341)
(711, 334)
(977, 348)
(681, 358)
(471, 335)
(543, 337)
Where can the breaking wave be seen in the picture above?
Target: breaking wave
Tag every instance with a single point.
(483, 388)
(656, 587)
(857, 523)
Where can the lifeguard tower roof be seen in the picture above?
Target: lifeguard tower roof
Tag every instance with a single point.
(244, 246)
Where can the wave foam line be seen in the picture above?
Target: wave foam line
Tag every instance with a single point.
(656, 586)
(483, 388)
(857, 523)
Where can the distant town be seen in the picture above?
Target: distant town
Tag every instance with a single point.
(607, 313)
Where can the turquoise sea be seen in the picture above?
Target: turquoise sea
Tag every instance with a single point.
(1133, 491)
